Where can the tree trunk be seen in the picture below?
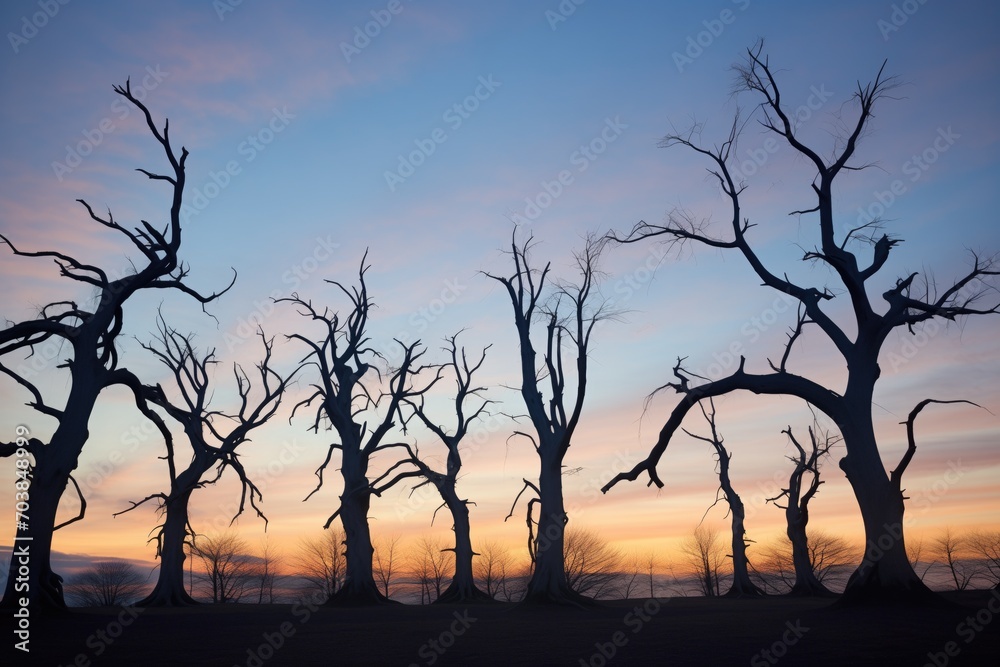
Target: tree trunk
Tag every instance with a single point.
(463, 584)
(548, 582)
(359, 586)
(30, 574)
(169, 589)
(806, 582)
(885, 573)
(742, 586)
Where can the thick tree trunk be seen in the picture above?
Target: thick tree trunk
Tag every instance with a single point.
(885, 573)
(463, 584)
(30, 574)
(169, 590)
(742, 586)
(548, 583)
(359, 586)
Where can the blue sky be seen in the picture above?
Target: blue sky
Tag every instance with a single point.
(293, 122)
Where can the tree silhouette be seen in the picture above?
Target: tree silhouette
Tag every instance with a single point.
(705, 553)
(214, 437)
(742, 586)
(320, 562)
(91, 335)
(797, 509)
(107, 584)
(554, 424)
(592, 565)
(227, 567)
(883, 573)
(463, 585)
(345, 396)
(494, 565)
(985, 546)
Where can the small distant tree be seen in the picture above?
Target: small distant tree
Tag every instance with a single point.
(984, 545)
(431, 566)
(385, 562)
(953, 551)
(826, 556)
(592, 565)
(706, 555)
(266, 573)
(320, 561)
(227, 568)
(629, 581)
(491, 569)
(107, 584)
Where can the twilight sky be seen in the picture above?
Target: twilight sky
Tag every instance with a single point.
(419, 130)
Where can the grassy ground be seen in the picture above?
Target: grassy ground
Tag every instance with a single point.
(680, 631)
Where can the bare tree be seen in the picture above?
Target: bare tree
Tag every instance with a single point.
(706, 554)
(555, 423)
(346, 398)
(266, 573)
(107, 584)
(431, 566)
(592, 565)
(628, 580)
(826, 555)
(214, 437)
(227, 567)
(492, 567)
(954, 552)
(463, 585)
(650, 570)
(742, 586)
(321, 562)
(883, 573)
(385, 557)
(984, 545)
(807, 582)
(93, 362)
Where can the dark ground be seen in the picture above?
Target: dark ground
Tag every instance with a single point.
(679, 631)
